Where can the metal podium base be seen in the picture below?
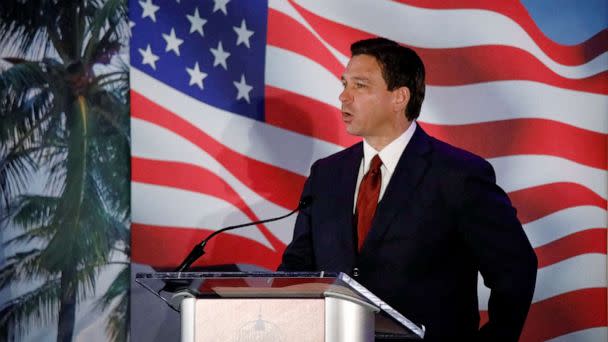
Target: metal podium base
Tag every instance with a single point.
(335, 318)
(348, 319)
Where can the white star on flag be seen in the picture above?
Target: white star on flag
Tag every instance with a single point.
(148, 57)
(243, 89)
(173, 42)
(149, 9)
(243, 34)
(196, 76)
(220, 56)
(196, 22)
(220, 5)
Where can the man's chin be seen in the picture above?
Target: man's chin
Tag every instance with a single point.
(352, 131)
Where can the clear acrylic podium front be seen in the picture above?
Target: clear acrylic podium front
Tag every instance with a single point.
(259, 306)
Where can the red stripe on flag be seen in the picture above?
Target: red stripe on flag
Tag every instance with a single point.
(527, 136)
(563, 54)
(187, 177)
(463, 66)
(277, 185)
(563, 314)
(197, 179)
(587, 241)
(539, 201)
(281, 32)
(306, 116)
(166, 247)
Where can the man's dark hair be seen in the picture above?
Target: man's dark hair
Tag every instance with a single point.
(401, 67)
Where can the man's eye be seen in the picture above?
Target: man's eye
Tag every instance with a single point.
(359, 85)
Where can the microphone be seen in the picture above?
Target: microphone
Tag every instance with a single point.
(199, 249)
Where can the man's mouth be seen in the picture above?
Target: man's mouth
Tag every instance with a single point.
(346, 116)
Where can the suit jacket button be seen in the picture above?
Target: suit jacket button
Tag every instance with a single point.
(356, 272)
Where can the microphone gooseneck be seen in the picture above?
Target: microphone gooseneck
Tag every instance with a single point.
(199, 249)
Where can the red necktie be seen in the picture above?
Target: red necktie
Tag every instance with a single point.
(367, 200)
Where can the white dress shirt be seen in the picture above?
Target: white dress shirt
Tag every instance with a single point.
(389, 155)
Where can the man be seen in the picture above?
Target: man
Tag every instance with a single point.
(410, 217)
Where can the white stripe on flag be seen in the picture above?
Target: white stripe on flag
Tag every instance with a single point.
(453, 105)
(171, 207)
(459, 28)
(505, 100)
(286, 8)
(563, 223)
(290, 71)
(241, 134)
(154, 142)
(579, 272)
(586, 335)
(525, 171)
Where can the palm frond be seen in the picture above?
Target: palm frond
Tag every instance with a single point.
(24, 25)
(23, 77)
(21, 146)
(106, 32)
(34, 211)
(57, 166)
(28, 106)
(87, 235)
(111, 12)
(35, 308)
(22, 266)
(109, 78)
(23, 122)
(99, 223)
(33, 234)
(118, 287)
(118, 320)
(111, 114)
(117, 325)
(15, 171)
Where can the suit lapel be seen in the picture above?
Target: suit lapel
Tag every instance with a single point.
(348, 183)
(410, 170)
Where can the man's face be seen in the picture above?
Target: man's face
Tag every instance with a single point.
(367, 104)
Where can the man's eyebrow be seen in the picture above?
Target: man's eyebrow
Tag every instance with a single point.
(356, 78)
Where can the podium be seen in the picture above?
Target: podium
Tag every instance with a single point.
(279, 306)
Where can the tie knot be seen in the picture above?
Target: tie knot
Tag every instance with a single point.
(375, 165)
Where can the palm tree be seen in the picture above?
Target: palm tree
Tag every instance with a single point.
(64, 114)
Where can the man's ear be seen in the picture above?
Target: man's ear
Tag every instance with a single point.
(401, 97)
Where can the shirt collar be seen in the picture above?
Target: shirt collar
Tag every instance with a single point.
(391, 153)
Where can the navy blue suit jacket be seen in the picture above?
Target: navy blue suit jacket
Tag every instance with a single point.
(441, 220)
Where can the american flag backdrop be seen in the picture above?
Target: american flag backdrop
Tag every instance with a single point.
(232, 101)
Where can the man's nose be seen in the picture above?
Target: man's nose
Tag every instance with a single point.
(345, 96)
